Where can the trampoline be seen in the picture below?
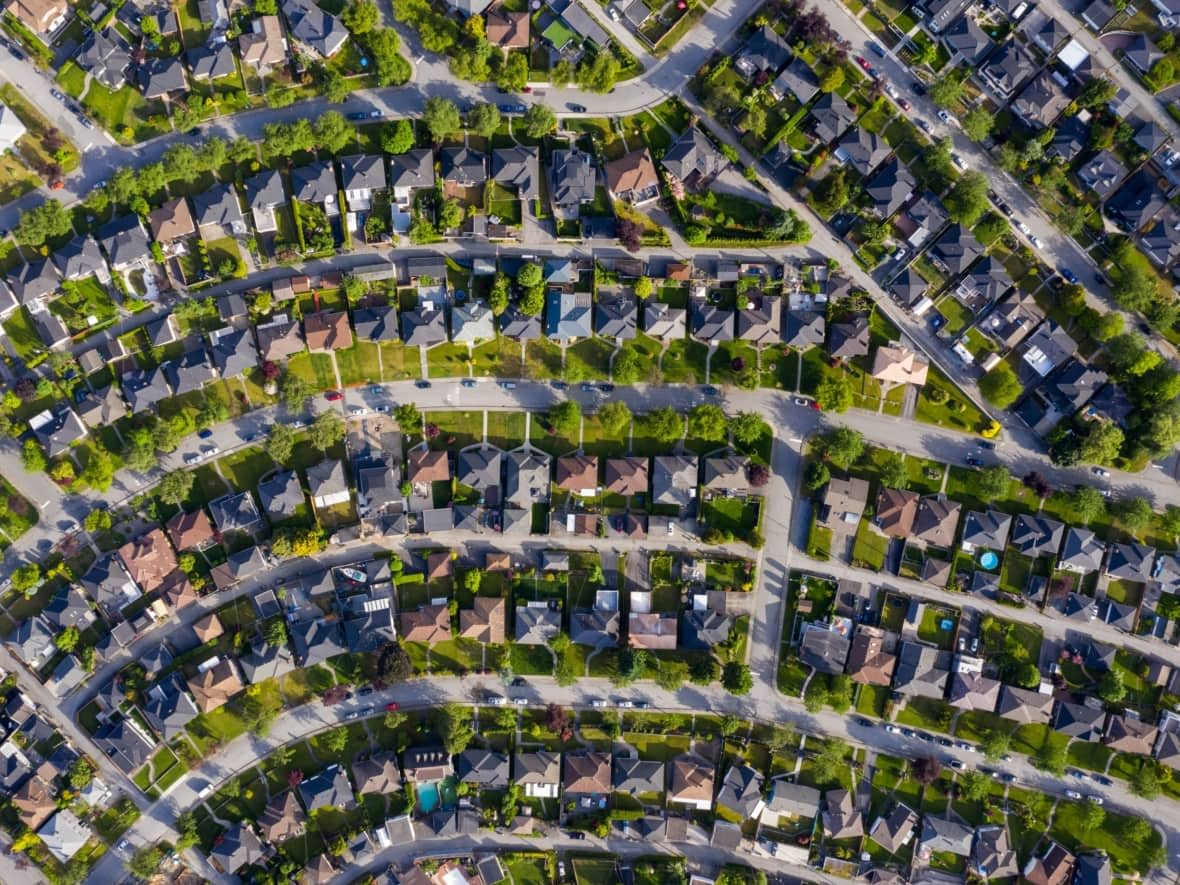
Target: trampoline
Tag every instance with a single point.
(989, 560)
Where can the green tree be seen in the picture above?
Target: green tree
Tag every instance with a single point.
(33, 456)
(978, 123)
(484, 119)
(441, 117)
(892, 472)
(671, 675)
(1000, 386)
(454, 728)
(145, 861)
(816, 476)
(996, 744)
(45, 221)
(326, 430)
(992, 483)
(175, 486)
(566, 417)
(708, 422)
(181, 163)
(333, 133)
(335, 87)
(360, 16)
(295, 392)
(513, 75)
(1146, 781)
(335, 741)
(1092, 816)
(1108, 325)
(948, 90)
(397, 138)
(532, 302)
(384, 47)
(539, 120)
(1097, 92)
(1051, 758)
(280, 443)
(408, 417)
(974, 785)
(834, 393)
(67, 639)
(629, 365)
(498, 299)
(832, 193)
(842, 446)
(736, 678)
(643, 287)
(450, 215)
(615, 417)
(831, 79)
(599, 73)
(968, 199)
(1102, 444)
(664, 424)
(748, 427)
(97, 520)
(830, 764)
(186, 826)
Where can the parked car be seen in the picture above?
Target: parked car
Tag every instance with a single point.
(333, 396)
(587, 387)
(606, 388)
(512, 108)
(944, 116)
(972, 461)
(1070, 276)
(709, 390)
(422, 385)
(575, 108)
(624, 704)
(875, 48)
(918, 87)
(357, 410)
(905, 105)
(863, 62)
(467, 382)
(1100, 472)
(892, 729)
(865, 723)
(1073, 794)
(495, 700)
(959, 162)
(598, 703)
(1096, 799)
(359, 115)
(384, 408)
(956, 764)
(204, 433)
(508, 385)
(521, 702)
(559, 385)
(1032, 238)
(987, 444)
(392, 705)
(923, 125)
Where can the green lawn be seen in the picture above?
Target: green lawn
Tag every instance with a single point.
(359, 364)
(869, 548)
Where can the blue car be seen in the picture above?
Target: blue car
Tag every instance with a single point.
(512, 108)
(205, 434)
(1070, 276)
(875, 48)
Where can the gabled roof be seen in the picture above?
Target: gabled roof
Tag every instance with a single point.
(68, 608)
(947, 836)
(124, 744)
(518, 167)
(264, 45)
(896, 511)
(894, 830)
(1130, 561)
(634, 173)
(797, 79)
(1041, 101)
(376, 323)
(822, 649)
(190, 372)
(765, 51)
(233, 351)
(266, 661)
(148, 559)
(485, 620)
(1093, 868)
(760, 322)
(868, 662)
(412, 169)
(626, 476)
(920, 670)
(519, 326)
(957, 249)
(79, 258)
(1069, 139)
(662, 321)
(862, 149)
(831, 115)
(692, 157)
(214, 687)
(313, 27)
(634, 775)
(160, 76)
(168, 708)
(238, 847)
(617, 316)
(987, 528)
(218, 205)
(64, 835)
(937, 519)
(329, 788)
(966, 39)
(690, 779)
(741, 791)
(1006, 69)
(1102, 173)
(1079, 720)
(483, 768)
(235, 513)
(508, 30)
(327, 330)
(315, 182)
(1024, 706)
(891, 187)
(282, 819)
(472, 321)
(463, 166)
(424, 326)
(125, 241)
(539, 768)
(265, 190)
(727, 472)
(595, 627)
(840, 816)
(1127, 734)
(279, 339)
(711, 322)
(536, 625)
(428, 624)
(993, 856)
(574, 177)
(378, 773)
(586, 772)
(1137, 202)
(190, 530)
(106, 57)
(1036, 535)
(972, 691)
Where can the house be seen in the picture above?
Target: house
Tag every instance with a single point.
(1070, 138)
(484, 621)
(1161, 241)
(233, 351)
(103, 408)
(329, 788)
(327, 330)
(984, 284)
(168, 708)
(33, 802)
(595, 627)
(266, 661)
(463, 166)
(988, 529)
(310, 26)
(472, 322)
(896, 511)
(966, 40)
(823, 649)
(864, 151)
(189, 373)
(652, 630)
(42, 17)
(936, 520)
(1053, 867)
(58, 431)
(282, 819)
(831, 115)
(1137, 202)
(632, 178)
(109, 584)
(1006, 70)
(361, 175)
(1047, 348)
(327, 483)
(125, 242)
(664, 322)
(480, 470)
(843, 503)
(264, 194)
(572, 182)
(219, 207)
(693, 160)
(585, 775)
(426, 466)
(760, 322)
(191, 530)
(763, 54)
(264, 47)
(797, 79)
(63, 834)
(33, 282)
(942, 12)
(485, 769)
(710, 322)
(160, 77)
(1092, 868)
(238, 847)
(278, 339)
(519, 326)
(577, 474)
(895, 364)
(1130, 562)
(538, 774)
(690, 782)
(1040, 102)
(408, 172)
(68, 608)
(526, 478)
(909, 287)
(944, 837)
(519, 167)
(212, 62)
(80, 258)
(924, 218)
(1080, 721)
(1012, 319)
(972, 691)
(236, 513)
(617, 316)
(868, 662)
(626, 476)
(376, 323)
(993, 856)
(1141, 53)
(741, 792)
(674, 480)
(214, 686)
(890, 188)
(1036, 535)
(840, 817)
(894, 830)
(1127, 734)
(425, 326)
(377, 773)
(536, 624)
(32, 639)
(1024, 706)
(1151, 137)
(105, 56)
(148, 559)
(508, 30)
(316, 183)
(921, 670)
(428, 624)
(636, 776)
(1102, 174)
(956, 250)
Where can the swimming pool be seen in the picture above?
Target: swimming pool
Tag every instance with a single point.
(989, 560)
(428, 798)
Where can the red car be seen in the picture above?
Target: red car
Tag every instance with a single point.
(863, 62)
(333, 396)
(392, 705)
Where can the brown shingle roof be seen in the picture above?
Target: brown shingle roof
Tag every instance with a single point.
(484, 621)
(937, 519)
(896, 511)
(1128, 735)
(282, 819)
(33, 802)
(439, 565)
(626, 476)
(508, 30)
(867, 663)
(424, 465)
(191, 530)
(208, 628)
(497, 562)
(172, 221)
(577, 472)
(327, 331)
(652, 630)
(429, 624)
(148, 559)
(263, 46)
(691, 779)
(215, 686)
(586, 772)
(377, 774)
(178, 591)
(632, 172)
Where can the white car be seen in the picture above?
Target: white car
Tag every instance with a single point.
(960, 164)
(495, 700)
(892, 729)
(357, 410)
(625, 705)
(1072, 794)
(1097, 800)
(521, 702)
(1101, 473)
(614, 14)
(1033, 239)
(1023, 228)
(598, 702)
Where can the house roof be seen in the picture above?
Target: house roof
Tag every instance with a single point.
(908, 287)
(634, 775)
(987, 528)
(897, 364)
(1041, 101)
(329, 788)
(1035, 535)
(632, 173)
(1127, 734)
(1053, 867)
(235, 513)
(315, 182)
(711, 322)
(160, 76)
(377, 773)
(33, 802)
(674, 479)
(896, 511)
(148, 559)
(282, 819)
(541, 767)
(508, 30)
(238, 847)
(741, 791)
(868, 662)
(1007, 68)
(485, 620)
(760, 322)
(843, 502)
(125, 241)
(576, 473)
(894, 830)
(484, 768)
(313, 27)
(822, 649)
(64, 835)
(568, 315)
(840, 816)
(957, 249)
(376, 323)
(595, 627)
(79, 258)
(1131, 562)
(168, 708)
(1102, 173)
(764, 51)
(652, 630)
(518, 167)
(264, 45)
(692, 157)
(690, 779)
(472, 321)
(973, 691)
(106, 57)
(425, 326)
(586, 772)
(662, 321)
(279, 339)
(266, 661)
(797, 79)
(327, 330)
(57, 431)
(1079, 720)
(536, 625)
(625, 476)
(993, 856)
(190, 372)
(520, 326)
(862, 149)
(920, 670)
(967, 39)
(574, 177)
(1024, 706)
(1092, 868)
(68, 608)
(831, 115)
(889, 189)
(946, 836)
(1137, 202)
(215, 686)
(617, 316)
(727, 472)
(937, 519)
(463, 166)
(428, 624)
(413, 169)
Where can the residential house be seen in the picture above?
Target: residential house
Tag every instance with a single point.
(890, 188)
(189, 373)
(233, 350)
(711, 323)
(626, 476)
(42, 17)
(377, 773)
(236, 513)
(1012, 319)
(327, 483)
(508, 30)
(148, 559)
(894, 830)
(63, 834)
(652, 630)
(909, 288)
(109, 584)
(840, 816)
(212, 62)
(282, 819)
(843, 503)
(896, 511)
(484, 621)
(956, 250)
(1047, 348)
(519, 326)
(376, 323)
(68, 608)
(664, 322)
(236, 848)
(636, 777)
(1024, 705)
(219, 207)
(327, 330)
(463, 167)
(693, 160)
(922, 220)
(32, 640)
(1037, 535)
(427, 624)
(868, 662)
(577, 474)
(921, 670)
(424, 466)
(986, 282)
(943, 836)
(831, 115)
(763, 54)
(690, 782)
(1151, 137)
(361, 175)
(526, 478)
(1137, 202)
(674, 480)
(329, 788)
(1040, 102)
(1130, 562)
(1102, 174)
(586, 776)
(823, 649)
(993, 856)
(103, 408)
(617, 316)
(1082, 722)
(279, 339)
(425, 326)
(214, 686)
(632, 178)
(1006, 70)
(1054, 866)
(484, 769)
(965, 40)
(987, 529)
(316, 183)
(741, 792)
(311, 27)
(936, 520)
(596, 627)
(1128, 734)
(973, 691)
(1161, 240)
(161, 77)
(797, 79)
(572, 182)
(760, 320)
(168, 708)
(264, 194)
(517, 168)
(125, 242)
(409, 172)
(1070, 138)
(58, 431)
(264, 47)
(1093, 868)
(191, 530)
(105, 56)
(266, 661)
(895, 364)
(80, 258)
(472, 322)
(539, 774)
(33, 802)
(480, 470)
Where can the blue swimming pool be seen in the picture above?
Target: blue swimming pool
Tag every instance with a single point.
(428, 797)
(989, 560)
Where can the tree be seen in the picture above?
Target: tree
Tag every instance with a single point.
(326, 430)
(333, 133)
(629, 365)
(484, 119)
(32, 456)
(599, 73)
(892, 472)
(80, 774)
(737, 679)
(708, 422)
(1146, 781)
(832, 192)
(397, 138)
(566, 417)
(533, 301)
(1107, 326)
(834, 393)
(993, 482)
(925, 769)
(1102, 444)
(393, 664)
(145, 861)
(968, 199)
(280, 442)
(1098, 91)
(450, 215)
(97, 520)
(276, 631)
(335, 740)
(974, 785)
(842, 446)
(391, 68)
(408, 417)
(832, 79)
(665, 424)
(295, 392)
(539, 120)
(1000, 386)
(175, 486)
(529, 276)
(67, 639)
(978, 123)
(816, 476)
(996, 743)
(181, 163)
(1092, 816)
(830, 764)
(441, 117)
(186, 826)
(45, 221)
(947, 91)
(454, 728)
(759, 475)
(514, 73)
(615, 417)
(360, 16)
(748, 427)
(498, 299)
(643, 287)
(558, 722)
(671, 675)
(27, 578)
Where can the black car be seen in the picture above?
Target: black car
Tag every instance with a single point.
(972, 461)
(576, 834)
(559, 385)
(709, 390)
(421, 385)
(606, 388)
(918, 87)
(576, 108)
(867, 723)
(519, 681)
(987, 444)
(945, 742)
